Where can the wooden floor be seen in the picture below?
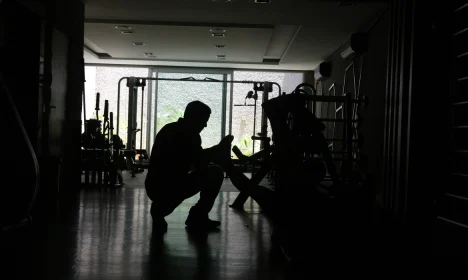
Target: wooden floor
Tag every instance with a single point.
(107, 234)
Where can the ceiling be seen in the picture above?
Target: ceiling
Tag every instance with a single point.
(281, 35)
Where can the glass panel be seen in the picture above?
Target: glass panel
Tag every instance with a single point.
(173, 97)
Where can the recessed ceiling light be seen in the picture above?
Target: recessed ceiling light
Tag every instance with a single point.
(127, 32)
(217, 30)
(262, 1)
(219, 46)
(138, 43)
(123, 27)
(218, 34)
(345, 4)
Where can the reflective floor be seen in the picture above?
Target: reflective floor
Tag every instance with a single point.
(107, 234)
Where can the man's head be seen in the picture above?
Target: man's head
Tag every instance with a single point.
(197, 115)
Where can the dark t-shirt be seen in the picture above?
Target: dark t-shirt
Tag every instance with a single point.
(175, 150)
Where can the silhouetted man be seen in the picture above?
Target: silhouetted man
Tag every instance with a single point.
(180, 168)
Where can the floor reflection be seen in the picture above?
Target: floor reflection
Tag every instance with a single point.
(114, 240)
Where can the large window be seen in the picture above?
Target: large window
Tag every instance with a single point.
(172, 97)
(165, 101)
(105, 80)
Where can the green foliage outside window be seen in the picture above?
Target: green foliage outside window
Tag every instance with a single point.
(168, 114)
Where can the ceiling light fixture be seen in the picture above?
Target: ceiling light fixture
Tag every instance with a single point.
(345, 4)
(123, 27)
(218, 34)
(263, 1)
(138, 43)
(217, 30)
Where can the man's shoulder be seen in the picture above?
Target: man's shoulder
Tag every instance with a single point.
(169, 127)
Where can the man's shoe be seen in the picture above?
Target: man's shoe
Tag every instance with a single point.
(159, 226)
(200, 221)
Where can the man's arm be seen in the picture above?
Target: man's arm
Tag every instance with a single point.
(215, 154)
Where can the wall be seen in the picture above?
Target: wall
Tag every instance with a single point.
(291, 81)
(19, 62)
(58, 93)
(61, 46)
(373, 85)
(74, 18)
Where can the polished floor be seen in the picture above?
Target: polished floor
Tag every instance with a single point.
(107, 234)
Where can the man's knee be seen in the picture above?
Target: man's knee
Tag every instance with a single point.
(215, 173)
(164, 206)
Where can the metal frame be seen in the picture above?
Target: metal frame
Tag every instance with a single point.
(149, 111)
(156, 87)
(223, 108)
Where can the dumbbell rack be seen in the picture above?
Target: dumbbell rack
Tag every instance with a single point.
(100, 164)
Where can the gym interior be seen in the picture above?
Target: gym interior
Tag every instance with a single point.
(87, 85)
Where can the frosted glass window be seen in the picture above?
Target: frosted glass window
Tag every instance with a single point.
(173, 97)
